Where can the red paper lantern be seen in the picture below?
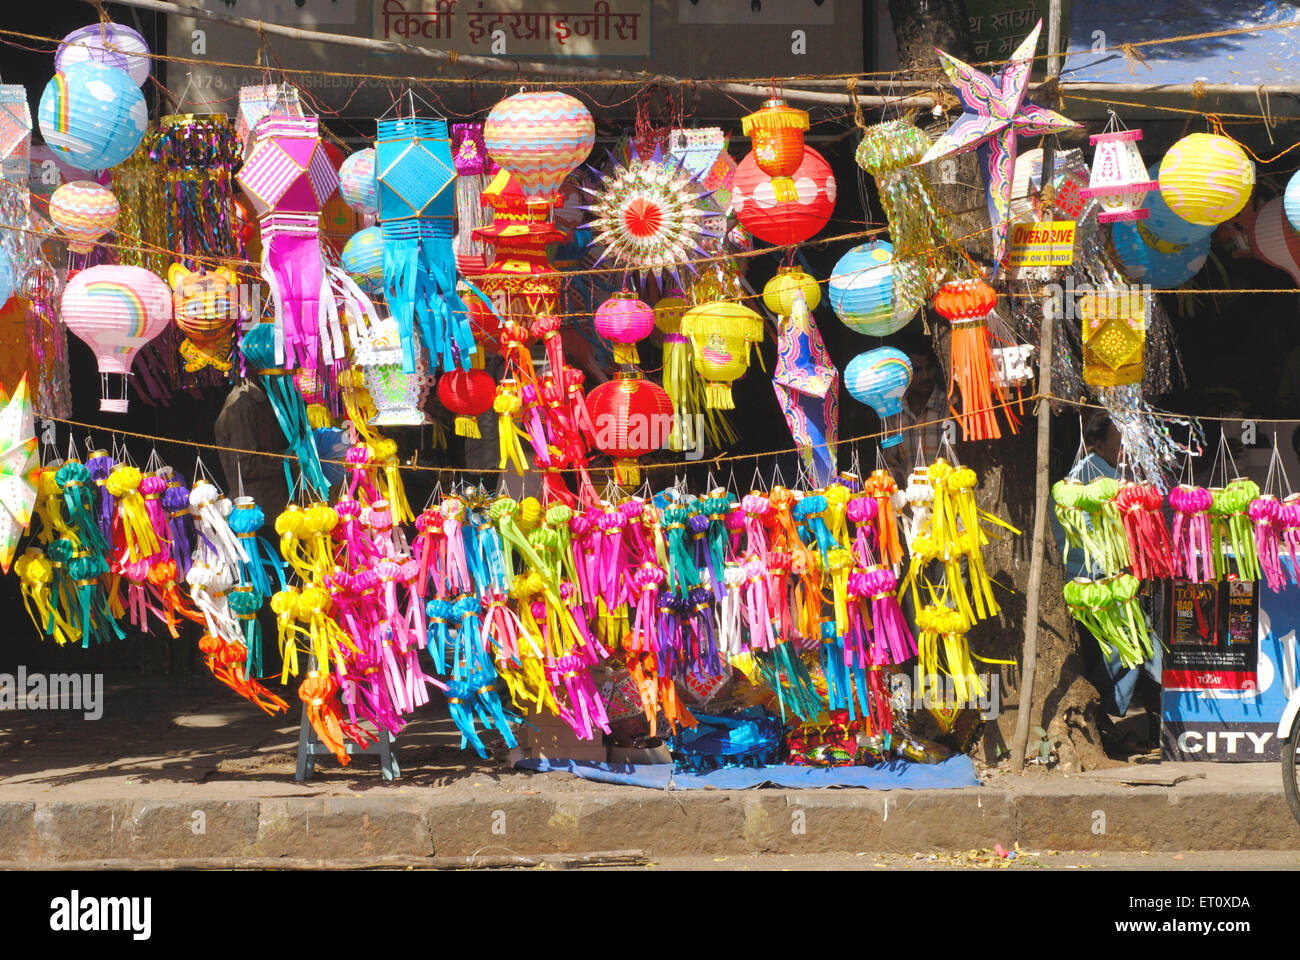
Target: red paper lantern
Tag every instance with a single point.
(761, 211)
(482, 320)
(467, 393)
(632, 417)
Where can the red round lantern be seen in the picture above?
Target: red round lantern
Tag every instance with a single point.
(764, 214)
(624, 319)
(632, 416)
(959, 300)
(467, 393)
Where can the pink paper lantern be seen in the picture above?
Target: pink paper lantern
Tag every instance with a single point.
(116, 310)
(625, 320)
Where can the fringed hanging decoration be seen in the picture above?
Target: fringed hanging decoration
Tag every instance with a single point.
(142, 223)
(474, 170)
(417, 212)
(967, 304)
(1150, 549)
(776, 130)
(1110, 611)
(1194, 558)
(721, 335)
(197, 154)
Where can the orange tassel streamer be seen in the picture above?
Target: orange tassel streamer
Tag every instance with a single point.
(319, 691)
(966, 304)
(881, 486)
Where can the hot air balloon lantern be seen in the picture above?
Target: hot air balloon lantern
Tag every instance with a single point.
(879, 378)
(539, 138)
(83, 211)
(721, 333)
(624, 320)
(1119, 181)
(116, 310)
(967, 304)
(632, 417)
(776, 130)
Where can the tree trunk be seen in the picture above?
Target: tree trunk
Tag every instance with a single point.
(922, 25)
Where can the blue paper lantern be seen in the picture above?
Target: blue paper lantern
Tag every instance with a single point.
(863, 292)
(92, 116)
(1166, 225)
(363, 258)
(879, 378)
(1291, 200)
(1162, 269)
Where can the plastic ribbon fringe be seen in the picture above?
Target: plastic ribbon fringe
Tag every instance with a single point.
(1110, 611)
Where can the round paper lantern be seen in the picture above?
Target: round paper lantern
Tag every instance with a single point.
(862, 291)
(108, 44)
(93, 117)
(357, 184)
(1291, 199)
(632, 417)
(1206, 178)
(766, 215)
(1275, 241)
(879, 378)
(116, 310)
(363, 258)
(721, 333)
(84, 211)
(467, 393)
(1168, 228)
(540, 138)
(1147, 259)
(669, 311)
(779, 293)
(624, 319)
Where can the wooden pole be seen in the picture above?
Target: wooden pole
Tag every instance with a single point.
(1029, 656)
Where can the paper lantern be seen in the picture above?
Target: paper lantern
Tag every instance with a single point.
(864, 292)
(482, 320)
(1275, 241)
(1113, 325)
(92, 117)
(108, 44)
(790, 282)
(540, 138)
(363, 259)
(116, 310)
(288, 169)
(15, 132)
(1119, 180)
(776, 130)
(1291, 200)
(398, 396)
(966, 305)
(467, 394)
(1166, 230)
(1206, 178)
(84, 211)
(632, 417)
(357, 182)
(784, 217)
(721, 333)
(206, 309)
(624, 319)
(879, 378)
(256, 102)
(1147, 259)
(474, 171)
(20, 469)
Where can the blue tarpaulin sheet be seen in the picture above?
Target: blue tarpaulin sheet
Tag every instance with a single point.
(957, 771)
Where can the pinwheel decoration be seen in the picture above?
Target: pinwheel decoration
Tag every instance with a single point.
(20, 469)
(648, 215)
(995, 113)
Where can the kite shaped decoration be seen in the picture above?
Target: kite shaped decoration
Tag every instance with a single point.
(20, 468)
(417, 214)
(995, 113)
(15, 131)
(807, 387)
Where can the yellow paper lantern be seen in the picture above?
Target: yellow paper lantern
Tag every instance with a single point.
(721, 333)
(1206, 179)
(779, 294)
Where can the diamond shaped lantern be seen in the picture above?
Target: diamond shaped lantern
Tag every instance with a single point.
(287, 170)
(258, 101)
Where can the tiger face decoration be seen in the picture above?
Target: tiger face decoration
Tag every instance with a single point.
(206, 308)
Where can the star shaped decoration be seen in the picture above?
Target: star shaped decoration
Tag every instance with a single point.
(995, 113)
(20, 469)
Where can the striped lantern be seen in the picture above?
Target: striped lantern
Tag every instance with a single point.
(721, 333)
(357, 182)
(363, 259)
(92, 117)
(256, 102)
(632, 417)
(624, 319)
(108, 44)
(1206, 178)
(205, 307)
(864, 293)
(540, 138)
(1275, 241)
(288, 170)
(879, 378)
(116, 310)
(83, 211)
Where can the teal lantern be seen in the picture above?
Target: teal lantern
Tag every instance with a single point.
(92, 116)
(879, 378)
(363, 259)
(864, 292)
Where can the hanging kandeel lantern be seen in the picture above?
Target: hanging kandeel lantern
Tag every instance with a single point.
(15, 132)
(93, 117)
(776, 130)
(83, 211)
(363, 259)
(398, 396)
(632, 417)
(1114, 335)
(206, 308)
(967, 304)
(108, 44)
(468, 394)
(116, 310)
(474, 171)
(1118, 181)
(865, 291)
(879, 378)
(357, 184)
(784, 216)
(1206, 178)
(197, 154)
(540, 138)
(721, 334)
(624, 320)
(257, 102)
